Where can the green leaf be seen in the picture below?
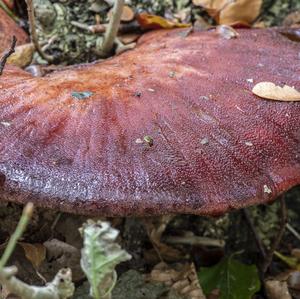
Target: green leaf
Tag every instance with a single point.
(233, 279)
(99, 257)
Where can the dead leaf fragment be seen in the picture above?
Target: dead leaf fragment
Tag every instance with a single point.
(35, 253)
(230, 12)
(22, 56)
(269, 90)
(148, 21)
(183, 279)
(277, 289)
(127, 14)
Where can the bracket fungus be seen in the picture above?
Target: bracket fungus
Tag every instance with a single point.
(169, 127)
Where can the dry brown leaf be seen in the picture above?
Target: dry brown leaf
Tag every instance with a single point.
(269, 90)
(183, 279)
(277, 289)
(148, 21)
(155, 227)
(22, 56)
(127, 14)
(231, 12)
(35, 253)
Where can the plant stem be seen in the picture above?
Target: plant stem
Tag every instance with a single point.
(34, 38)
(113, 28)
(26, 215)
(8, 11)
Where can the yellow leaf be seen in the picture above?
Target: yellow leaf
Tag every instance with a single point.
(35, 253)
(269, 90)
(148, 21)
(22, 56)
(230, 12)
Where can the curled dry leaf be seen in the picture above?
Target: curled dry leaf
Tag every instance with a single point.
(23, 55)
(269, 90)
(155, 228)
(183, 279)
(148, 21)
(231, 12)
(8, 28)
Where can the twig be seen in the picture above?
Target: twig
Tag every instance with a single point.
(257, 239)
(278, 238)
(293, 231)
(113, 28)
(194, 240)
(34, 38)
(7, 54)
(26, 215)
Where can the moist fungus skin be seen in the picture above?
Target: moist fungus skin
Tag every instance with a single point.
(89, 154)
(8, 28)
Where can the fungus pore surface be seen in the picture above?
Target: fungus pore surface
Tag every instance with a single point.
(169, 127)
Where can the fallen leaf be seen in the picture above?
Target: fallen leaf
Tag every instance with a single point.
(155, 227)
(183, 279)
(232, 278)
(23, 55)
(231, 12)
(35, 253)
(127, 14)
(269, 90)
(276, 289)
(148, 21)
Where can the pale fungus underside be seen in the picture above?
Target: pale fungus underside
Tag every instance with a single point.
(125, 137)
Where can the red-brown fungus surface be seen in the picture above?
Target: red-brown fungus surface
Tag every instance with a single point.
(8, 28)
(170, 127)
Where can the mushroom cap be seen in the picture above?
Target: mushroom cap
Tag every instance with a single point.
(170, 127)
(8, 28)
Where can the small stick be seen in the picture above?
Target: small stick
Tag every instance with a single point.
(278, 238)
(7, 54)
(293, 231)
(257, 239)
(26, 215)
(34, 38)
(113, 28)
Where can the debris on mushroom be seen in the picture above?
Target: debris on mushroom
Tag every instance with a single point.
(83, 156)
(269, 90)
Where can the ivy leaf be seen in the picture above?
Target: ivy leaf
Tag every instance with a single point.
(100, 255)
(233, 279)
